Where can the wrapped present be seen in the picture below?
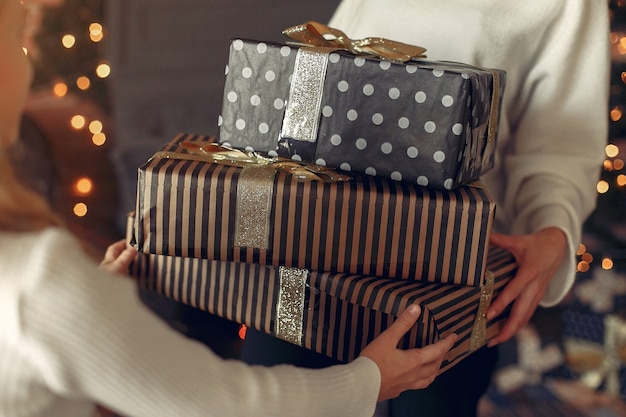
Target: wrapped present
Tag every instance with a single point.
(331, 313)
(199, 200)
(595, 349)
(426, 122)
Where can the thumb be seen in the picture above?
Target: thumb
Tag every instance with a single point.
(405, 322)
(501, 241)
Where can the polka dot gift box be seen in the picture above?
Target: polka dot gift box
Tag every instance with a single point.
(425, 122)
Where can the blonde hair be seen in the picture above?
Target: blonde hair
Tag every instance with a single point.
(21, 209)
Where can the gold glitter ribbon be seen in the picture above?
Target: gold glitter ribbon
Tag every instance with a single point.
(479, 332)
(495, 108)
(290, 306)
(319, 35)
(254, 205)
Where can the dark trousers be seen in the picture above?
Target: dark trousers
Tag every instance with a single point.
(455, 393)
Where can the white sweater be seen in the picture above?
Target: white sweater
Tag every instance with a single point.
(72, 334)
(555, 109)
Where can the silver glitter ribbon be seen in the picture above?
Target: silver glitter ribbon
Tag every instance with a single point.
(290, 306)
(479, 332)
(303, 110)
(254, 204)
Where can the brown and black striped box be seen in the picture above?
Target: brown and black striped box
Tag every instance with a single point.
(330, 313)
(187, 207)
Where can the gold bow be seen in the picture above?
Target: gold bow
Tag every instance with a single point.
(319, 35)
(212, 152)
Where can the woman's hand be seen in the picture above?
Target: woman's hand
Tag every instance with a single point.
(118, 257)
(403, 370)
(538, 257)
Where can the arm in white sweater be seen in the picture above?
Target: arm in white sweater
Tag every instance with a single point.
(92, 338)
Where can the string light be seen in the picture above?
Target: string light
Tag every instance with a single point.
(78, 122)
(602, 187)
(616, 114)
(95, 126)
(99, 139)
(611, 150)
(96, 32)
(103, 70)
(607, 263)
(59, 89)
(68, 41)
(83, 82)
(83, 186)
(80, 209)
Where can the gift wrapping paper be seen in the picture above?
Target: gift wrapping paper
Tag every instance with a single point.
(188, 207)
(425, 122)
(330, 313)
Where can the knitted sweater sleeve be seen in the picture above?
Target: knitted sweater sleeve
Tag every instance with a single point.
(91, 337)
(558, 122)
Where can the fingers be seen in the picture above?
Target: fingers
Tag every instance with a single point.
(126, 257)
(502, 241)
(436, 352)
(118, 258)
(405, 322)
(509, 294)
(114, 250)
(521, 313)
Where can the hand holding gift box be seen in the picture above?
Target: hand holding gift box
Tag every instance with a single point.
(425, 122)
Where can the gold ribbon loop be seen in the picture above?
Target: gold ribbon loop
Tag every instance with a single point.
(213, 152)
(319, 35)
(479, 332)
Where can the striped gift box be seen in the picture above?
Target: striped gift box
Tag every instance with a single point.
(331, 313)
(188, 207)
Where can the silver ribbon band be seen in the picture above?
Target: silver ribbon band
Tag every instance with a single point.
(290, 306)
(303, 110)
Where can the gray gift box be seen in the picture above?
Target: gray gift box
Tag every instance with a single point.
(432, 123)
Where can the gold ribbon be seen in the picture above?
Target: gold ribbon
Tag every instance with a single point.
(479, 332)
(319, 35)
(208, 151)
(255, 189)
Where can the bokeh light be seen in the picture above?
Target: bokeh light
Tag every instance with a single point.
(68, 41)
(83, 186)
(78, 122)
(103, 70)
(80, 209)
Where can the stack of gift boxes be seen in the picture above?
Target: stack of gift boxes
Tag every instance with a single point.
(341, 189)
